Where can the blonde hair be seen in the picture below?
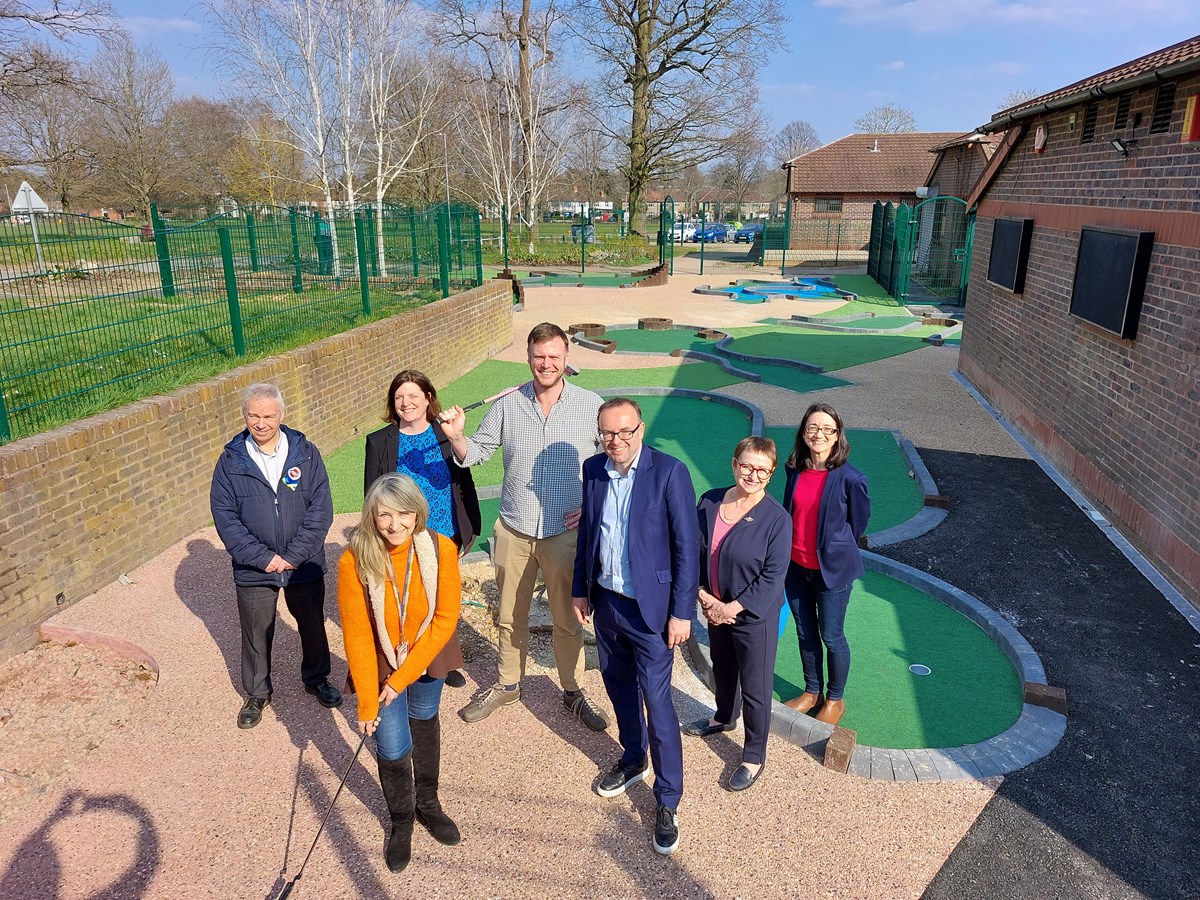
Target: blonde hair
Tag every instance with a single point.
(395, 491)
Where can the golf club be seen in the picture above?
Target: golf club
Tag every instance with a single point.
(287, 888)
(568, 371)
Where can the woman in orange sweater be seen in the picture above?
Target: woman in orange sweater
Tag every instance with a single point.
(399, 581)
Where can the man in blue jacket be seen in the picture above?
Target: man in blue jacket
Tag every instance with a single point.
(272, 507)
(637, 567)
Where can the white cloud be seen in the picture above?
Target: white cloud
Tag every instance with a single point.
(952, 15)
(895, 65)
(149, 26)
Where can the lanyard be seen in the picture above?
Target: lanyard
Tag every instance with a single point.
(402, 647)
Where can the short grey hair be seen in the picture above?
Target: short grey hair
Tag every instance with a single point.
(263, 389)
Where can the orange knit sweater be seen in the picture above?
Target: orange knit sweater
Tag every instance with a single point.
(359, 634)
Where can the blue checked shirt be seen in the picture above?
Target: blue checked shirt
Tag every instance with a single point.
(543, 456)
(616, 574)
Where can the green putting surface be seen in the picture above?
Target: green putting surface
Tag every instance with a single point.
(832, 350)
(858, 307)
(584, 280)
(972, 693)
(895, 497)
(869, 291)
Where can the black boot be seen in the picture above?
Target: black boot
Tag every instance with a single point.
(396, 778)
(427, 759)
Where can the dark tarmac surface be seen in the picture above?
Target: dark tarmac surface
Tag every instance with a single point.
(1112, 812)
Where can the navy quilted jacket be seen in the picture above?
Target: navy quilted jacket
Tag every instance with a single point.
(255, 523)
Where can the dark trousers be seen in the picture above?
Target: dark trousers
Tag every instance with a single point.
(636, 663)
(820, 614)
(256, 610)
(743, 661)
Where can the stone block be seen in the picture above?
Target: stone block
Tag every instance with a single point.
(1046, 695)
(839, 749)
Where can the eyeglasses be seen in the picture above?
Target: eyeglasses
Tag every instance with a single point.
(813, 430)
(748, 470)
(624, 434)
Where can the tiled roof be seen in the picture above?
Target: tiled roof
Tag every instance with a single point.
(1182, 56)
(987, 142)
(867, 164)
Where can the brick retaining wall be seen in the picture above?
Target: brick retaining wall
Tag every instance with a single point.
(84, 503)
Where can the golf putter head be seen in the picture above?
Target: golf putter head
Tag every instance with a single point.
(569, 370)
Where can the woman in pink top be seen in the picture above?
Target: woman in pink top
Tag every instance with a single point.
(745, 539)
(829, 506)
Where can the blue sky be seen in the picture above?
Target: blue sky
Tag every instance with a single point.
(949, 61)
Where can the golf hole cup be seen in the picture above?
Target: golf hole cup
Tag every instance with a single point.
(918, 669)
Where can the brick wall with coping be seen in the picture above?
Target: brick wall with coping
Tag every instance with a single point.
(84, 503)
(1117, 416)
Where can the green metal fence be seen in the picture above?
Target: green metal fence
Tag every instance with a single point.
(95, 314)
(508, 241)
(922, 254)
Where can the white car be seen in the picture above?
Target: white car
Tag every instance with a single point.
(685, 231)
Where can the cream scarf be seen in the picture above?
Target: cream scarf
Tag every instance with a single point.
(427, 565)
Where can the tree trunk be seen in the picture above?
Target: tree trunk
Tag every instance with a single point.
(639, 151)
(528, 135)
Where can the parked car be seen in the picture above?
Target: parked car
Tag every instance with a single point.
(713, 231)
(748, 232)
(685, 231)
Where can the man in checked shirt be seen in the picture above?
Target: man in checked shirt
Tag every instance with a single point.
(545, 430)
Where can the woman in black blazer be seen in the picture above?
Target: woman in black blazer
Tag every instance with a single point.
(829, 505)
(746, 540)
(413, 443)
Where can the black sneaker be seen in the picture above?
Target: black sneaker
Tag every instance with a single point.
(581, 707)
(621, 776)
(666, 830)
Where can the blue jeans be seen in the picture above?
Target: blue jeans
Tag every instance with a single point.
(420, 700)
(820, 614)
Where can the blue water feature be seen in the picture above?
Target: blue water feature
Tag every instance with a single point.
(762, 291)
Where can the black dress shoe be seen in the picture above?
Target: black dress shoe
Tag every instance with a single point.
(251, 712)
(742, 779)
(703, 728)
(454, 679)
(327, 695)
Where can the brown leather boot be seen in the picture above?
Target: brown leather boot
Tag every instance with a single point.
(832, 712)
(804, 702)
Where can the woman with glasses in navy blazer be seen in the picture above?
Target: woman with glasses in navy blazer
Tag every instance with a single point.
(828, 502)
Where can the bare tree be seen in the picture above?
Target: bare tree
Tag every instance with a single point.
(741, 166)
(133, 88)
(1016, 97)
(886, 119)
(278, 53)
(264, 164)
(45, 127)
(26, 61)
(201, 134)
(669, 65)
(794, 139)
(513, 45)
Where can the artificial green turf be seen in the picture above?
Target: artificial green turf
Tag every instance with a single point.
(869, 291)
(973, 692)
(585, 280)
(895, 496)
(857, 307)
(832, 350)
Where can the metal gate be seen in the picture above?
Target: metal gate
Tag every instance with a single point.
(933, 244)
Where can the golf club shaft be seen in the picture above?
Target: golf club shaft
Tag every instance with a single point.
(568, 370)
(287, 888)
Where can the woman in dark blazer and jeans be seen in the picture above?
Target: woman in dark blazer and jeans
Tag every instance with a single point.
(746, 540)
(413, 443)
(828, 502)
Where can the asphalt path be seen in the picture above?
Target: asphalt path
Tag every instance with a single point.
(1112, 812)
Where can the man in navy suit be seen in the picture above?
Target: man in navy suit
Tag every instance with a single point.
(637, 568)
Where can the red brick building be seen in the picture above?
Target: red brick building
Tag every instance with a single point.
(842, 180)
(958, 164)
(1096, 357)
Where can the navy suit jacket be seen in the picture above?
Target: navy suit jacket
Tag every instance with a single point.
(841, 522)
(664, 545)
(753, 558)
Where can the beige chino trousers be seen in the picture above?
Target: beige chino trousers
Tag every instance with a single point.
(517, 558)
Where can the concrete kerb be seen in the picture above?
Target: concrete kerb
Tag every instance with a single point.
(928, 518)
(1033, 736)
(722, 347)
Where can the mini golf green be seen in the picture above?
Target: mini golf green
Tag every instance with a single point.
(832, 350)
(972, 692)
(559, 279)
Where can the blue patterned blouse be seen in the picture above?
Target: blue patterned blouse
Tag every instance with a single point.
(420, 458)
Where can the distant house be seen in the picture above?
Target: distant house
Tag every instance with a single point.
(843, 180)
(1083, 326)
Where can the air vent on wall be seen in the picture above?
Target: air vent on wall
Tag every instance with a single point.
(1164, 105)
(1089, 124)
(1122, 119)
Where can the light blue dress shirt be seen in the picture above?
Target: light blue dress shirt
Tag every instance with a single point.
(615, 571)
